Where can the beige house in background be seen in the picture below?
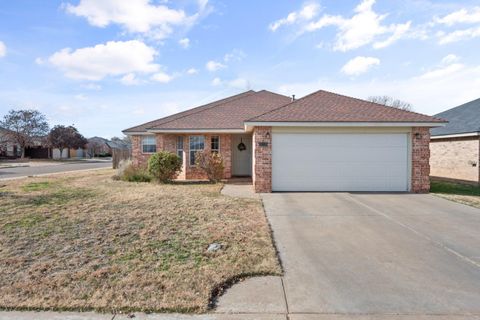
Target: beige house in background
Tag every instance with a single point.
(455, 148)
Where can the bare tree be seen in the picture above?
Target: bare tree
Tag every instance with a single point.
(391, 102)
(24, 126)
(94, 147)
(62, 137)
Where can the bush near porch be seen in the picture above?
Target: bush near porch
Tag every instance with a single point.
(83, 241)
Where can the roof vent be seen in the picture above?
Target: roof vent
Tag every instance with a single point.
(293, 97)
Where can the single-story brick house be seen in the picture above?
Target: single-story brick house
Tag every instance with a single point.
(455, 148)
(321, 142)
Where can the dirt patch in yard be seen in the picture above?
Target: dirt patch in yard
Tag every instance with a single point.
(82, 241)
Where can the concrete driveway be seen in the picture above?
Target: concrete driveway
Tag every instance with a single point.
(368, 255)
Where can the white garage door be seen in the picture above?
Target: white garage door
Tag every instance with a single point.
(339, 162)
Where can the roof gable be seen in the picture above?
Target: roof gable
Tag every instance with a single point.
(228, 113)
(462, 119)
(324, 106)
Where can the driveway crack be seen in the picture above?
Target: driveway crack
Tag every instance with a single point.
(285, 297)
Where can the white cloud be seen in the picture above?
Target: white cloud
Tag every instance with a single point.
(399, 31)
(359, 65)
(3, 49)
(449, 65)
(216, 82)
(237, 83)
(234, 55)
(130, 79)
(110, 59)
(449, 59)
(460, 16)
(428, 95)
(192, 71)
(137, 16)
(213, 66)
(162, 77)
(363, 28)
(458, 35)
(184, 43)
(306, 13)
(442, 72)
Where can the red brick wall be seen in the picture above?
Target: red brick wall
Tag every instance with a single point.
(420, 160)
(193, 172)
(168, 142)
(138, 157)
(262, 159)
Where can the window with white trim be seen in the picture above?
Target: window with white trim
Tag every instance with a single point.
(149, 144)
(180, 147)
(196, 144)
(215, 144)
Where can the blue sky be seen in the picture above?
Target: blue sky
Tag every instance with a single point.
(106, 65)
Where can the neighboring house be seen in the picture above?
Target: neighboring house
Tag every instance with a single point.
(8, 149)
(79, 153)
(455, 148)
(39, 149)
(118, 145)
(321, 142)
(98, 146)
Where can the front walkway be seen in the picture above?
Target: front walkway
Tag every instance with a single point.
(239, 188)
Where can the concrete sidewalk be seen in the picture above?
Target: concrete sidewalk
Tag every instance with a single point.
(47, 315)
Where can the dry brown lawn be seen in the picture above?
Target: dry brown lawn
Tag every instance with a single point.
(83, 241)
(462, 193)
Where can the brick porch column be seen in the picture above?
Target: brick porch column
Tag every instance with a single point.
(262, 159)
(420, 160)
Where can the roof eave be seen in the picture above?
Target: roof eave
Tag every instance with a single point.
(250, 124)
(456, 135)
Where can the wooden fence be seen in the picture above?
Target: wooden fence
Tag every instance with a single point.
(119, 155)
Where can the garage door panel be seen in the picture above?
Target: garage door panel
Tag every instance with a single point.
(339, 162)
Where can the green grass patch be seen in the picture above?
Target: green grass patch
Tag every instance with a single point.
(36, 186)
(454, 188)
(61, 196)
(26, 222)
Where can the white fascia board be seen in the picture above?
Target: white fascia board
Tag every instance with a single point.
(139, 133)
(197, 131)
(457, 135)
(249, 125)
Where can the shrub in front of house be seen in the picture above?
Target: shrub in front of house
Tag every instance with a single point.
(164, 166)
(128, 172)
(211, 163)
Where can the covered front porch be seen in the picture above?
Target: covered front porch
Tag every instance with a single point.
(236, 150)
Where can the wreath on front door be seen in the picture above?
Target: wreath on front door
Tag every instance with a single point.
(241, 146)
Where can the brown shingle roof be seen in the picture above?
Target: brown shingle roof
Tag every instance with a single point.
(229, 113)
(324, 106)
(150, 124)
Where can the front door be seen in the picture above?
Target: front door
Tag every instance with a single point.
(241, 155)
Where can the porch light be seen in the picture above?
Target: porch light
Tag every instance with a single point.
(268, 135)
(417, 135)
